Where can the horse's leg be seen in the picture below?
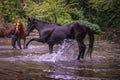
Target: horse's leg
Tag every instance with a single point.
(80, 50)
(82, 47)
(50, 47)
(33, 39)
(19, 42)
(24, 43)
(13, 41)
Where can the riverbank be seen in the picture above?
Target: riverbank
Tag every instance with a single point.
(111, 35)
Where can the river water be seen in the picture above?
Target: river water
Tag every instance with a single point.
(35, 63)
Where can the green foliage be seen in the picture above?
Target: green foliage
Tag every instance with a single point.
(94, 27)
(55, 11)
(77, 14)
(0, 11)
(11, 10)
(58, 11)
(107, 13)
(104, 4)
(0, 7)
(102, 12)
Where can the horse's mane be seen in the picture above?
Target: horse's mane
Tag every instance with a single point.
(46, 22)
(22, 27)
(42, 21)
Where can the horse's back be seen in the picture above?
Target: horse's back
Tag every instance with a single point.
(10, 26)
(58, 35)
(2, 30)
(10, 29)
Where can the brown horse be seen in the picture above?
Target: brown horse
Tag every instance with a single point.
(2, 32)
(19, 34)
(10, 29)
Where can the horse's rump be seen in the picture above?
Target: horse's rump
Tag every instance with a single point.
(10, 29)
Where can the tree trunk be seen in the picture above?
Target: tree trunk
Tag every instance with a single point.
(1, 16)
(55, 18)
(25, 4)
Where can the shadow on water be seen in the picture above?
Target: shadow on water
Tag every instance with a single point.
(35, 63)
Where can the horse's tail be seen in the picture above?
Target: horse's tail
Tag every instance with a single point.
(91, 41)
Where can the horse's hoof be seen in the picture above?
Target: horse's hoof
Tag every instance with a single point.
(78, 59)
(25, 47)
(14, 48)
(20, 48)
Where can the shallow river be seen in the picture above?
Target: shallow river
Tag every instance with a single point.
(35, 63)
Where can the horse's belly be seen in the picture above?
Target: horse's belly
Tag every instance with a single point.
(56, 40)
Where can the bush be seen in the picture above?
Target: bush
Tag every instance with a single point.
(94, 27)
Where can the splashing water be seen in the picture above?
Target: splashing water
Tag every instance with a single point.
(66, 52)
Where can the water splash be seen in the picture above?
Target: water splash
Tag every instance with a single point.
(66, 52)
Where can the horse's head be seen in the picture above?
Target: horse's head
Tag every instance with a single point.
(30, 26)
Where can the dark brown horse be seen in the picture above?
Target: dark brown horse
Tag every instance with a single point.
(54, 34)
(19, 34)
(2, 32)
(10, 29)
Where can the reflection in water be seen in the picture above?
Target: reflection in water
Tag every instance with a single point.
(35, 63)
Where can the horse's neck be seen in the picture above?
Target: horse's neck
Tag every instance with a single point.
(22, 29)
(40, 27)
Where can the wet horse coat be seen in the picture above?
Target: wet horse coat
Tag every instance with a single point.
(54, 34)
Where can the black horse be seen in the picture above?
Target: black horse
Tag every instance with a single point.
(55, 34)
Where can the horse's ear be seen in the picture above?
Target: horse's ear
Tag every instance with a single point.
(33, 20)
(29, 19)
